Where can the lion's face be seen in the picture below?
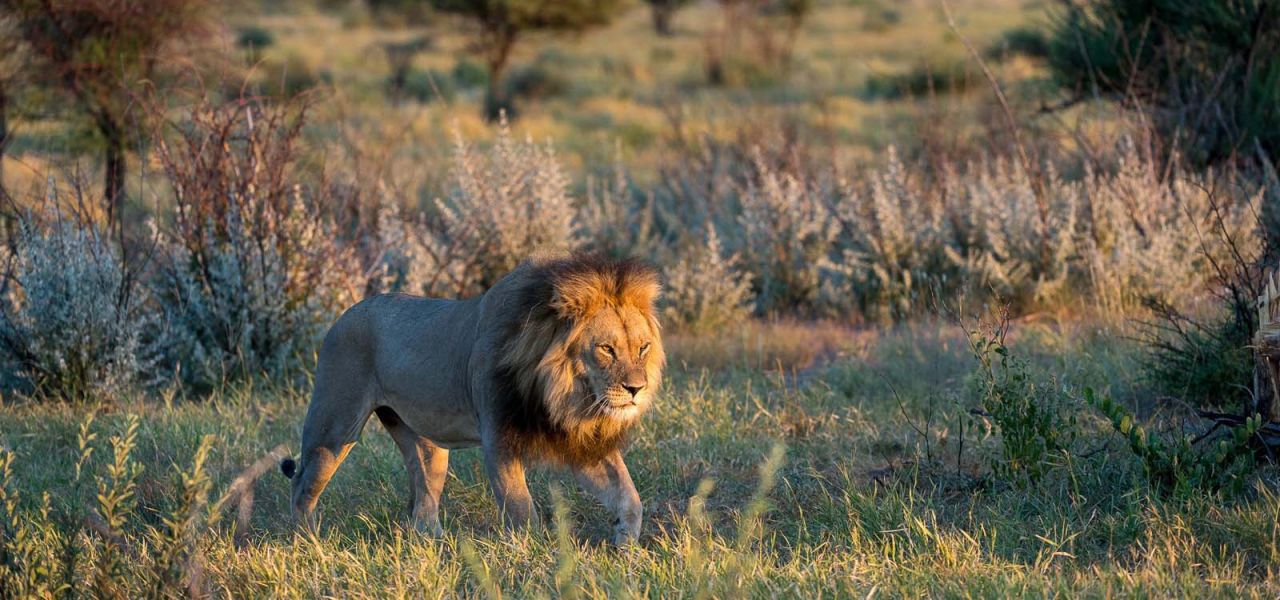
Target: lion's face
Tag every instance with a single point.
(620, 357)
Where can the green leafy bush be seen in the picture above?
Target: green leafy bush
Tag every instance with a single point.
(1177, 466)
(1031, 416)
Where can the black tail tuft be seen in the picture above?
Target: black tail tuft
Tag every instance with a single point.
(288, 466)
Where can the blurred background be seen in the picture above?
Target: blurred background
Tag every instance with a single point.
(242, 171)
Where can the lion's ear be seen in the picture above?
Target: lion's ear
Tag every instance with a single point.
(642, 291)
(577, 295)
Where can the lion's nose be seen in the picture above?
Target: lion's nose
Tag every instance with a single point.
(634, 386)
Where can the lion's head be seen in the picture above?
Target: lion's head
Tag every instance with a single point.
(584, 357)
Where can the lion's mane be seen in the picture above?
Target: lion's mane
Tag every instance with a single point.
(542, 408)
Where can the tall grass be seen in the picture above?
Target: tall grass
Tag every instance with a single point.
(856, 505)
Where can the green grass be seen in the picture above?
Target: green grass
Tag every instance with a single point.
(873, 494)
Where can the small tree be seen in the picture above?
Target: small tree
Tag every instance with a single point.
(400, 57)
(663, 11)
(95, 50)
(770, 26)
(501, 22)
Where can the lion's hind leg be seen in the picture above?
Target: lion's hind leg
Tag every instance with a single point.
(428, 465)
(327, 438)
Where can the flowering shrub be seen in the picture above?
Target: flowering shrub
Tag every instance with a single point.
(896, 240)
(253, 270)
(1150, 238)
(503, 207)
(787, 238)
(705, 291)
(1013, 238)
(72, 324)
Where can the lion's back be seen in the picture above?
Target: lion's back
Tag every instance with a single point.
(405, 352)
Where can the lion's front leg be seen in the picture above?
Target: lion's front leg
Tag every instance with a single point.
(506, 477)
(610, 482)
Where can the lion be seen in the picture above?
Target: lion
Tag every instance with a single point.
(554, 364)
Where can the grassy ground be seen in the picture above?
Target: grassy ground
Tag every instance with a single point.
(841, 471)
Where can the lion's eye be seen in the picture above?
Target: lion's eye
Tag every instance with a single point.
(607, 350)
(644, 349)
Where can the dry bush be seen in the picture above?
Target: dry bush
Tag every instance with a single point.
(504, 205)
(253, 268)
(894, 241)
(705, 291)
(615, 221)
(883, 243)
(1152, 237)
(72, 318)
(786, 238)
(1015, 239)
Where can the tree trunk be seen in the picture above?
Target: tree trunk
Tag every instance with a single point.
(496, 101)
(113, 185)
(662, 14)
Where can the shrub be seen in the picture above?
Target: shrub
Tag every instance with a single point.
(426, 86)
(885, 241)
(72, 319)
(893, 245)
(1206, 360)
(787, 235)
(1205, 363)
(616, 222)
(1022, 40)
(535, 82)
(1183, 61)
(1152, 236)
(704, 291)
(254, 38)
(469, 74)
(1030, 415)
(504, 206)
(1014, 237)
(1177, 466)
(253, 269)
(934, 76)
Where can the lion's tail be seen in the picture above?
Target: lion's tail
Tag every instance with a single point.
(289, 467)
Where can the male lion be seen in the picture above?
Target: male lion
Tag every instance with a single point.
(556, 362)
